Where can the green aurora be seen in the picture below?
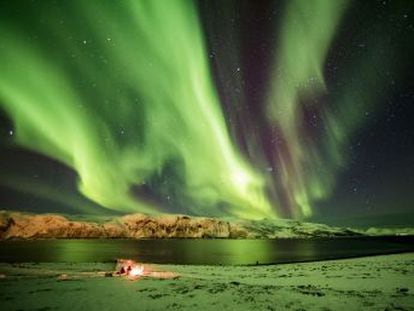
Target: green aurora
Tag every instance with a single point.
(123, 94)
(297, 74)
(308, 167)
(157, 87)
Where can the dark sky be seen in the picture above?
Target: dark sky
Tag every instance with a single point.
(375, 182)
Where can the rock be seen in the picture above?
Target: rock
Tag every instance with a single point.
(27, 226)
(46, 226)
(174, 226)
(402, 290)
(63, 277)
(138, 226)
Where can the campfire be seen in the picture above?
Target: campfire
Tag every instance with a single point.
(133, 271)
(129, 268)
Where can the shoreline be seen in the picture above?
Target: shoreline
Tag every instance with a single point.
(350, 237)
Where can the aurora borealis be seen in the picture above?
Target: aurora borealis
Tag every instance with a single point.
(201, 107)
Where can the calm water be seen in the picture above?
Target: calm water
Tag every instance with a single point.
(225, 252)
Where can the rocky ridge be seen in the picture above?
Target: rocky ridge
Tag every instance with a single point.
(16, 225)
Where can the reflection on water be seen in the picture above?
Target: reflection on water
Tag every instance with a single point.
(225, 252)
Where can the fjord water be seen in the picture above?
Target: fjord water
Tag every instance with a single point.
(209, 252)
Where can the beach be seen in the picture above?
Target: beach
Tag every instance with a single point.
(368, 283)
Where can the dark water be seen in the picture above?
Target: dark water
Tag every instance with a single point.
(225, 252)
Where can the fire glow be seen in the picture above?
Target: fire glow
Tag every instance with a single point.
(129, 268)
(136, 271)
(133, 271)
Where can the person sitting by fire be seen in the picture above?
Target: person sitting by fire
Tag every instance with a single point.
(124, 267)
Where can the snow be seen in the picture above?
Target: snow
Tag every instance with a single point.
(370, 283)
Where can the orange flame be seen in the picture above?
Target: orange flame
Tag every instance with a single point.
(136, 271)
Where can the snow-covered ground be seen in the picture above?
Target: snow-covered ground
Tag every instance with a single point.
(370, 283)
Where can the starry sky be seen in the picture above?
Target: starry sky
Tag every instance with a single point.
(297, 109)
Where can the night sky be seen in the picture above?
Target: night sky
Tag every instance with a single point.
(299, 109)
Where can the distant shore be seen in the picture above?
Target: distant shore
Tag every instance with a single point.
(17, 225)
